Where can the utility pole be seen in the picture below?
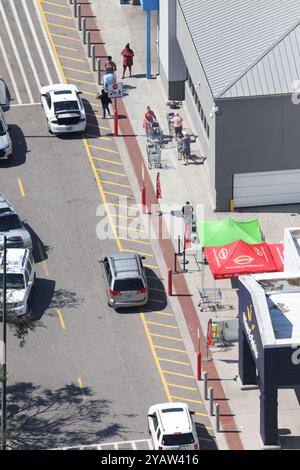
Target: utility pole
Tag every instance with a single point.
(3, 407)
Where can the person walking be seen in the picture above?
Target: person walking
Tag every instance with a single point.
(177, 123)
(149, 118)
(187, 211)
(128, 55)
(105, 101)
(185, 147)
(110, 66)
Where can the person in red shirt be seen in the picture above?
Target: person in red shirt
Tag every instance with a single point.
(127, 54)
(149, 117)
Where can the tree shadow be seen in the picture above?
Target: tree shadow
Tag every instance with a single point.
(63, 298)
(19, 147)
(42, 418)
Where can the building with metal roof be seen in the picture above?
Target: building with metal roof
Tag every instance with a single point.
(237, 65)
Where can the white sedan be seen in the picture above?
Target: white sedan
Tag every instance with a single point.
(64, 108)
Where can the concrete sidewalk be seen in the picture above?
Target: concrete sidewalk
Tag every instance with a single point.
(127, 23)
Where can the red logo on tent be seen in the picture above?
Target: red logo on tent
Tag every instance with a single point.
(241, 260)
(223, 253)
(258, 252)
(158, 187)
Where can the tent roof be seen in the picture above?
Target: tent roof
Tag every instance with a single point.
(239, 258)
(225, 231)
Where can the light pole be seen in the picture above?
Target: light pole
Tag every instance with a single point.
(3, 407)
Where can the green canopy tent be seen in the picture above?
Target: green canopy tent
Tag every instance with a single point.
(223, 232)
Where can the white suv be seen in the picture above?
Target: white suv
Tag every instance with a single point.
(20, 279)
(5, 140)
(171, 427)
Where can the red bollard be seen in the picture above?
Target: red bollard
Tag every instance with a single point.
(115, 122)
(170, 281)
(143, 196)
(198, 365)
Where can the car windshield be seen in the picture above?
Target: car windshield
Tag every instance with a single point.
(128, 284)
(177, 439)
(9, 222)
(2, 130)
(66, 106)
(13, 281)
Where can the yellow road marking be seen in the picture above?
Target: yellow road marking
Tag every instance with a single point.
(62, 323)
(172, 338)
(203, 425)
(90, 93)
(157, 300)
(192, 389)
(152, 347)
(96, 125)
(134, 241)
(189, 400)
(203, 414)
(45, 266)
(55, 4)
(97, 137)
(151, 266)
(50, 37)
(50, 13)
(21, 187)
(104, 149)
(80, 383)
(116, 184)
(101, 170)
(163, 325)
(65, 47)
(174, 362)
(127, 217)
(165, 314)
(118, 195)
(77, 70)
(157, 290)
(64, 37)
(107, 161)
(62, 26)
(186, 376)
(71, 58)
(80, 81)
(129, 228)
(171, 349)
(204, 439)
(139, 252)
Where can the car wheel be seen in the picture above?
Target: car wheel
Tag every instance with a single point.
(49, 129)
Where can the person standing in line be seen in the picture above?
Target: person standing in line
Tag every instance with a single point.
(110, 66)
(185, 146)
(105, 101)
(128, 55)
(177, 123)
(149, 118)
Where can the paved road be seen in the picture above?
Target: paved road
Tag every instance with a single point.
(87, 374)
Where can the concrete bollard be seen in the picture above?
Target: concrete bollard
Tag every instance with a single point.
(217, 411)
(99, 71)
(205, 385)
(94, 57)
(79, 17)
(211, 401)
(89, 43)
(75, 8)
(84, 30)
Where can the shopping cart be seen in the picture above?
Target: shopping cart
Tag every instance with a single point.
(155, 134)
(210, 298)
(154, 155)
(169, 117)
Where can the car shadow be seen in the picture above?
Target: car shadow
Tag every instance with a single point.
(39, 250)
(157, 296)
(42, 297)
(19, 148)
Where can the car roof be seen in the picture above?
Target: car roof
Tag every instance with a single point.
(175, 417)
(15, 258)
(61, 92)
(125, 265)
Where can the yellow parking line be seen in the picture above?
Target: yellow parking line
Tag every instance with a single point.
(71, 58)
(96, 126)
(127, 217)
(65, 47)
(55, 4)
(151, 266)
(157, 290)
(115, 184)
(72, 79)
(62, 323)
(101, 170)
(107, 161)
(203, 425)
(50, 13)
(80, 383)
(157, 300)
(181, 363)
(61, 26)
(90, 93)
(21, 187)
(134, 241)
(139, 252)
(118, 195)
(96, 137)
(77, 70)
(172, 338)
(192, 389)
(186, 376)
(171, 349)
(129, 228)
(45, 266)
(189, 400)
(198, 413)
(64, 37)
(104, 149)
(165, 314)
(152, 347)
(172, 327)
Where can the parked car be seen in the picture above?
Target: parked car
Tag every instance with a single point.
(126, 282)
(172, 427)
(64, 108)
(20, 279)
(16, 233)
(5, 140)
